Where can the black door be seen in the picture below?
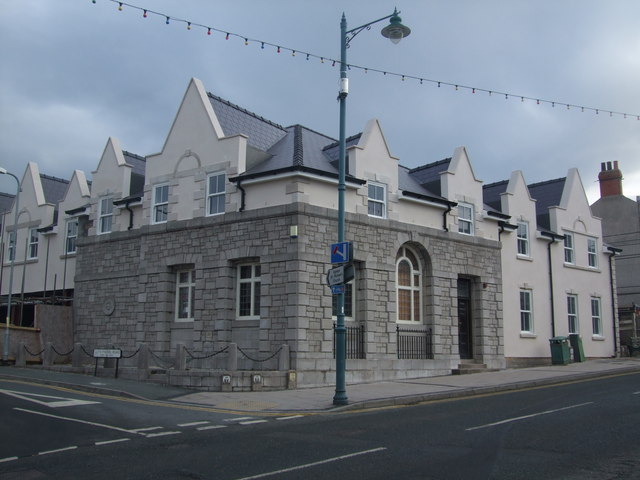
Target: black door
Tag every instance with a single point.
(465, 338)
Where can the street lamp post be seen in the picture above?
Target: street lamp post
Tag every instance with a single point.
(395, 31)
(5, 351)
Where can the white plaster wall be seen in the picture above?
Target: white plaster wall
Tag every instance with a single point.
(194, 148)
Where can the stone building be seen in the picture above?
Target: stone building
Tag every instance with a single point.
(621, 228)
(222, 240)
(231, 241)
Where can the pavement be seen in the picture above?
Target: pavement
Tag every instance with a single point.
(320, 399)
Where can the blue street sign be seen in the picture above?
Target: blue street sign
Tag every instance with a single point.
(340, 253)
(337, 289)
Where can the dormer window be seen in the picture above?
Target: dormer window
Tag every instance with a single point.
(216, 189)
(465, 218)
(569, 254)
(160, 203)
(105, 215)
(523, 239)
(377, 200)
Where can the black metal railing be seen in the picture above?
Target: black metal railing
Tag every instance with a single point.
(354, 342)
(414, 343)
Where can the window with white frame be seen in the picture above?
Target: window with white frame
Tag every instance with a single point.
(572, 313)
(408, 286)
(33, 243)
(216, 189)
(248, 305)
(349, 302)
(72, 236)
(526, 311)
(465, 218)
(105, 215)
(160, 203)
(11, 246)
(523, 238)
(377, 200)
(569, 254)
(185, 295)
(596, 318)
(592, 252)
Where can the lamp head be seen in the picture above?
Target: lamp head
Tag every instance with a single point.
(395, 31)
(3, 171)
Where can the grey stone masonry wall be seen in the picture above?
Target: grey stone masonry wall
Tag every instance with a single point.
(126, 289)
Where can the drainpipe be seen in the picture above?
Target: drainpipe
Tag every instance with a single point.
(613, 300)
(444, 218)
(46, 269)
(242, 195)
(552, 239)
(126, 205)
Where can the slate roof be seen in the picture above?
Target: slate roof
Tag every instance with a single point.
(54, 188)
(6, 202)
(262, 133)
(138, 168)
(491, 194)
(547, 194)
(428, 176)
(297, 148)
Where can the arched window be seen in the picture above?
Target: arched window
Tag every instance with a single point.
(408, 286)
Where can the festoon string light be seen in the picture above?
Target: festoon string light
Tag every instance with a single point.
(190, 25)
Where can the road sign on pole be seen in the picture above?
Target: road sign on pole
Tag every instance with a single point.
(340, 252)
(335, 276)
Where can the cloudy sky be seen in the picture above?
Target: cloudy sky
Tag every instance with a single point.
(74, 73)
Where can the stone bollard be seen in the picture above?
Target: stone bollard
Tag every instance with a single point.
(47, 359)
(283, 358)
(21, 356)
(181, 356)
(143, 361)
(76, 357)
(232, 358)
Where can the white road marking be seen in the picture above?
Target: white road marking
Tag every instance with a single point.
(251, 422)
(314, 464)
(145, 429)
(56, 403)
(192, 424)
(162, 434)
(108, 442)
(237, 419)
(58, 450)
(77, 420)
(516, 419)
(290, 417)
(8, 459)
(211, 427)
(636, 393)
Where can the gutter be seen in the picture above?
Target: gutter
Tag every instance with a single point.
(127, 204)
(293, 169)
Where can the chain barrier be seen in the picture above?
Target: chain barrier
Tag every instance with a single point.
(85, 351)
(168, 363)
(34, 354)
(133, 354)
(194, 357)
(259, 361)
(62, 354)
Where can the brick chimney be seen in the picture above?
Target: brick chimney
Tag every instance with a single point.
(610, 179)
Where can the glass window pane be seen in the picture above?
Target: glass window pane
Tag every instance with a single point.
(404, 274)
(245, 300)
(404, 305)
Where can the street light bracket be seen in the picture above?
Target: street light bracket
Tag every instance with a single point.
(392, 29)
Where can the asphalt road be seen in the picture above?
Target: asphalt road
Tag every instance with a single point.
(585, 430)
